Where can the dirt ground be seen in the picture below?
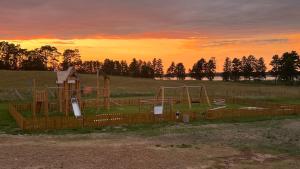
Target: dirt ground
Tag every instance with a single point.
(221, 146)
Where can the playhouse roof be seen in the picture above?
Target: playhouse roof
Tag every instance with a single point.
(62, 76)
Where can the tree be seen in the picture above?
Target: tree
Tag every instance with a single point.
(134, 68)
(171, 71)
(147, 70)
(52, 55)
(11, 56)
(198, 70)
(180, 71)
(289, 66)
(108, 67)
(227, 68)
(248, 65)
(236, 69)
(71, 58)
(275, 63)
(90, 67)
(260, 68)
(117, 68)
(210, 70)
(124, 68)
(158, 68)
(34, 61)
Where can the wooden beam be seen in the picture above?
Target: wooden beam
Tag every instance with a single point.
(34, 98)
(188, 97)
(207, 99)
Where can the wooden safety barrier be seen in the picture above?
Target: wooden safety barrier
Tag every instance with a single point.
(244, 113)
(94, 121)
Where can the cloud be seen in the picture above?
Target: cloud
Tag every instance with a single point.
(219, 43)
(67, 19)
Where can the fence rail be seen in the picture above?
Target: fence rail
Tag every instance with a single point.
(62, 122)
(244, 113)
(112, 119)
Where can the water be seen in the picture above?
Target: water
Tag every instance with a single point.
(217, 78)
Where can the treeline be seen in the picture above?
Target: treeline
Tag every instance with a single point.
(247, 67)
(13, 57)
(284, 68)
(200, 70)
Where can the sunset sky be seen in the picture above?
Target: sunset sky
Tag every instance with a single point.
(174, 30)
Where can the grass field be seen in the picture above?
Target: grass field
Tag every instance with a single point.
(136, 87)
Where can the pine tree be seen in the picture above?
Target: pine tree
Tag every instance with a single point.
(248, 66)
(171, 71)
(180, 71)
(275, 63)
(198, 70)
(210, 70)
(159, 69)
(117, 68)
(236, 69)
(134, 68)
(289, 66)
(260, 68)
(147, 70)
(124, 68)
(227, 68)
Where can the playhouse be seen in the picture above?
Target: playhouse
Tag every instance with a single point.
(68, 84)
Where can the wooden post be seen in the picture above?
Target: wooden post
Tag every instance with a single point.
(207, 99)
(34, 98)
(98, 90)
(66, 98)
(106, 93)
(163, 98)
(188, 97)
(46, 103)
(200, 94)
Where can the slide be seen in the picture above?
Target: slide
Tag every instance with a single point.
(76, 108)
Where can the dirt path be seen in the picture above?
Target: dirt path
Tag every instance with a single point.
(130, 152)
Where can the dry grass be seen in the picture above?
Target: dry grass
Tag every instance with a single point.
(125, 86)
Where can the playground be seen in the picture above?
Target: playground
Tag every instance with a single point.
(69, 105)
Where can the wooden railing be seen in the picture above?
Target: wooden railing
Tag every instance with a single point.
(101, 120)
(282, 110)
(112, 119)
(20, 120)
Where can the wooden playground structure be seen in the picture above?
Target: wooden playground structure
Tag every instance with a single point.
(183, 95)
(69, 92)
(167, 97)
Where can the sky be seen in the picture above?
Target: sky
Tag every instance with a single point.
(173, 30)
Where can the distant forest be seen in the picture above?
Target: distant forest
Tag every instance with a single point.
(47, 58)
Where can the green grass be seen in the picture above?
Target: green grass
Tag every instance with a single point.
(7, 123)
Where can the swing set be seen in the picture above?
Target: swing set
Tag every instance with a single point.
(167, 97)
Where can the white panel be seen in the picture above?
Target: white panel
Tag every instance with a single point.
(158, 109)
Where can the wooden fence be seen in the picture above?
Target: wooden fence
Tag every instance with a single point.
(113, 119)
(62, 122)
(17, 116)
(281, 110)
